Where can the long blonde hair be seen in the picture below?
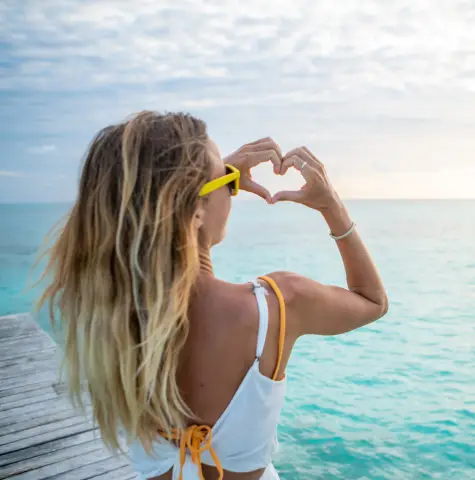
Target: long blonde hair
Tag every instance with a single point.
(122, 271)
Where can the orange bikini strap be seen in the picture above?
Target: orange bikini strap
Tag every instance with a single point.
(280, 298)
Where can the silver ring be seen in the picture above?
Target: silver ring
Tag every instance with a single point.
(304, 164)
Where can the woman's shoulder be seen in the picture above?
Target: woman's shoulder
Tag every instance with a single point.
(290, 284)
(302, 298)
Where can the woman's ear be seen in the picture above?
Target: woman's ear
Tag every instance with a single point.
(199, 217)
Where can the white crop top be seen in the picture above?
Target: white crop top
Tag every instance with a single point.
(245, 435)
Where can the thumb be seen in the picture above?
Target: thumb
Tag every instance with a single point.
(259, 190)
(287, 196)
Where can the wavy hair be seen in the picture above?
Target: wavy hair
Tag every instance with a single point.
(122, 271)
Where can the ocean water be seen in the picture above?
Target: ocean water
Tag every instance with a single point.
(393, 400)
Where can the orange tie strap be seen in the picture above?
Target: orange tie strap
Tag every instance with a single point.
(280, 298)
(197, 438)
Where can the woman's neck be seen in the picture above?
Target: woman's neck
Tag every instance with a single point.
(206, 267)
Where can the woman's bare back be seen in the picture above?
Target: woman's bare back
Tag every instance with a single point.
(220, 350)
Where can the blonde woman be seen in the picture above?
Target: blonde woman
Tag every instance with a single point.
(190, 367)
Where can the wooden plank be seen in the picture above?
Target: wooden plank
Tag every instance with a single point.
(31, 357)
(68, 412)
(48, 364)
(19, 319)
(15, 341)
(12, 353)
(25, 339)
(21, 414)
(31, 408)
(20, 323)
(122, 473)
(9, 335)
(31, 379)
(28, 395)
(45, 437)
(23, 389)
(47, 449)
(15, 316)
(22, 399)
(43, 429)
(38, 340)
(41, 434)
(38, 461)
(97, 469)
(65, 466)
(17, 329)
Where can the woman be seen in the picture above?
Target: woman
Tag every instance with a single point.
(191, 368)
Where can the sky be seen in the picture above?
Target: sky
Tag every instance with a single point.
(382, 92)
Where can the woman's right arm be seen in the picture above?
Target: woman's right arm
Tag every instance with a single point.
(314, 308)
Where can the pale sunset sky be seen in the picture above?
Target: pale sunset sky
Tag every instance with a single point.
(383, 92)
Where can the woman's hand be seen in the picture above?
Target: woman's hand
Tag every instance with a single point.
(317, 193)
(251, 155)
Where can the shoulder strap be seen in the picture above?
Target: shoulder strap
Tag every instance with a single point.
(280, 298)
(259, 292)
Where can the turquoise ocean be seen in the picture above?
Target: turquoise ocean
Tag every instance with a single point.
(393, 400)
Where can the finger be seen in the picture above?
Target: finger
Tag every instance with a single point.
(290, 161)
(263, 144)
(302, 154)
(256, 158)
(261, 140)
(288, 196)
(251, 186)
(314, 159)
(307, 171)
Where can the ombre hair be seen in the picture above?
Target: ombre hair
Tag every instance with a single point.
(122, 271)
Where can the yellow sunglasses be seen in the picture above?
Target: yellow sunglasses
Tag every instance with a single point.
(231, 179)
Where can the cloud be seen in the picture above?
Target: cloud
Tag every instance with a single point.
(376, 88)
(8, 173)
(275, 46)
(41, 149)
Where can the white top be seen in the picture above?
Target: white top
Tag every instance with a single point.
(245, 435)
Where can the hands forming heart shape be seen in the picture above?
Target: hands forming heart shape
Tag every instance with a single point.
(316, 193)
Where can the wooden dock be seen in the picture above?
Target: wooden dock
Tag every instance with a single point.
(41, 435)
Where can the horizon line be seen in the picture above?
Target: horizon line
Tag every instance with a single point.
(372, 199)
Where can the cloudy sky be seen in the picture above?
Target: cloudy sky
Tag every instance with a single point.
(383, 92)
